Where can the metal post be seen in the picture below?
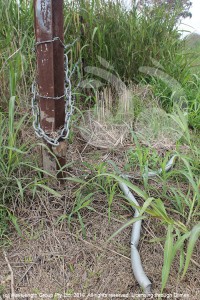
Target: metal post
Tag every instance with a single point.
(50, 74)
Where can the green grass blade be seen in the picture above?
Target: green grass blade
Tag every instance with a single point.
(195, 233)
(168, 252)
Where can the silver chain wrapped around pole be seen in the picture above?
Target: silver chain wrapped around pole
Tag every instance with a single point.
(62, 134)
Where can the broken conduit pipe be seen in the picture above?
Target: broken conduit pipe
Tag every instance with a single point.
(138, 270)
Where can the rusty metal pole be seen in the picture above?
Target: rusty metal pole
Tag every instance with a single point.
(49, 22)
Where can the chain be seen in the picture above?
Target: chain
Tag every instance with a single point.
(53, 138)
(57, 39)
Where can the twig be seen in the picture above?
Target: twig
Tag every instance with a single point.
(27, 270)
(194, 262)
(11, 276)
(97, 247)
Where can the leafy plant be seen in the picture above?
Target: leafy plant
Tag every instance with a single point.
(19, 172)
(80, 204)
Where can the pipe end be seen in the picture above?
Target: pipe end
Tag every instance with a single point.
(147, 289)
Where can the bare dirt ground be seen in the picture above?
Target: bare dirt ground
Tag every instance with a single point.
(53, 258)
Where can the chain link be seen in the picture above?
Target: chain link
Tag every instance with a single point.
(53, 138)
(57, 39)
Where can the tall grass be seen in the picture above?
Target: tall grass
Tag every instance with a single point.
(16, 48)
(127, 39)
(21, 179)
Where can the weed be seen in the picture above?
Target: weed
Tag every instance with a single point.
(19, 174)
(81, 202)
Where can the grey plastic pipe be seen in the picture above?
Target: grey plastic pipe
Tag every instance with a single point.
(138, 270)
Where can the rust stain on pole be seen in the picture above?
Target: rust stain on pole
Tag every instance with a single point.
(50, 71)
(58, 23)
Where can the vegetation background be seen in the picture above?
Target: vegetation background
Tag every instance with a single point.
(128, 40)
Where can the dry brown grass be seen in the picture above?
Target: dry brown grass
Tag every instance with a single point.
(52, 258)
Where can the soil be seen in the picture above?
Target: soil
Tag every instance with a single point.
(53, 257)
